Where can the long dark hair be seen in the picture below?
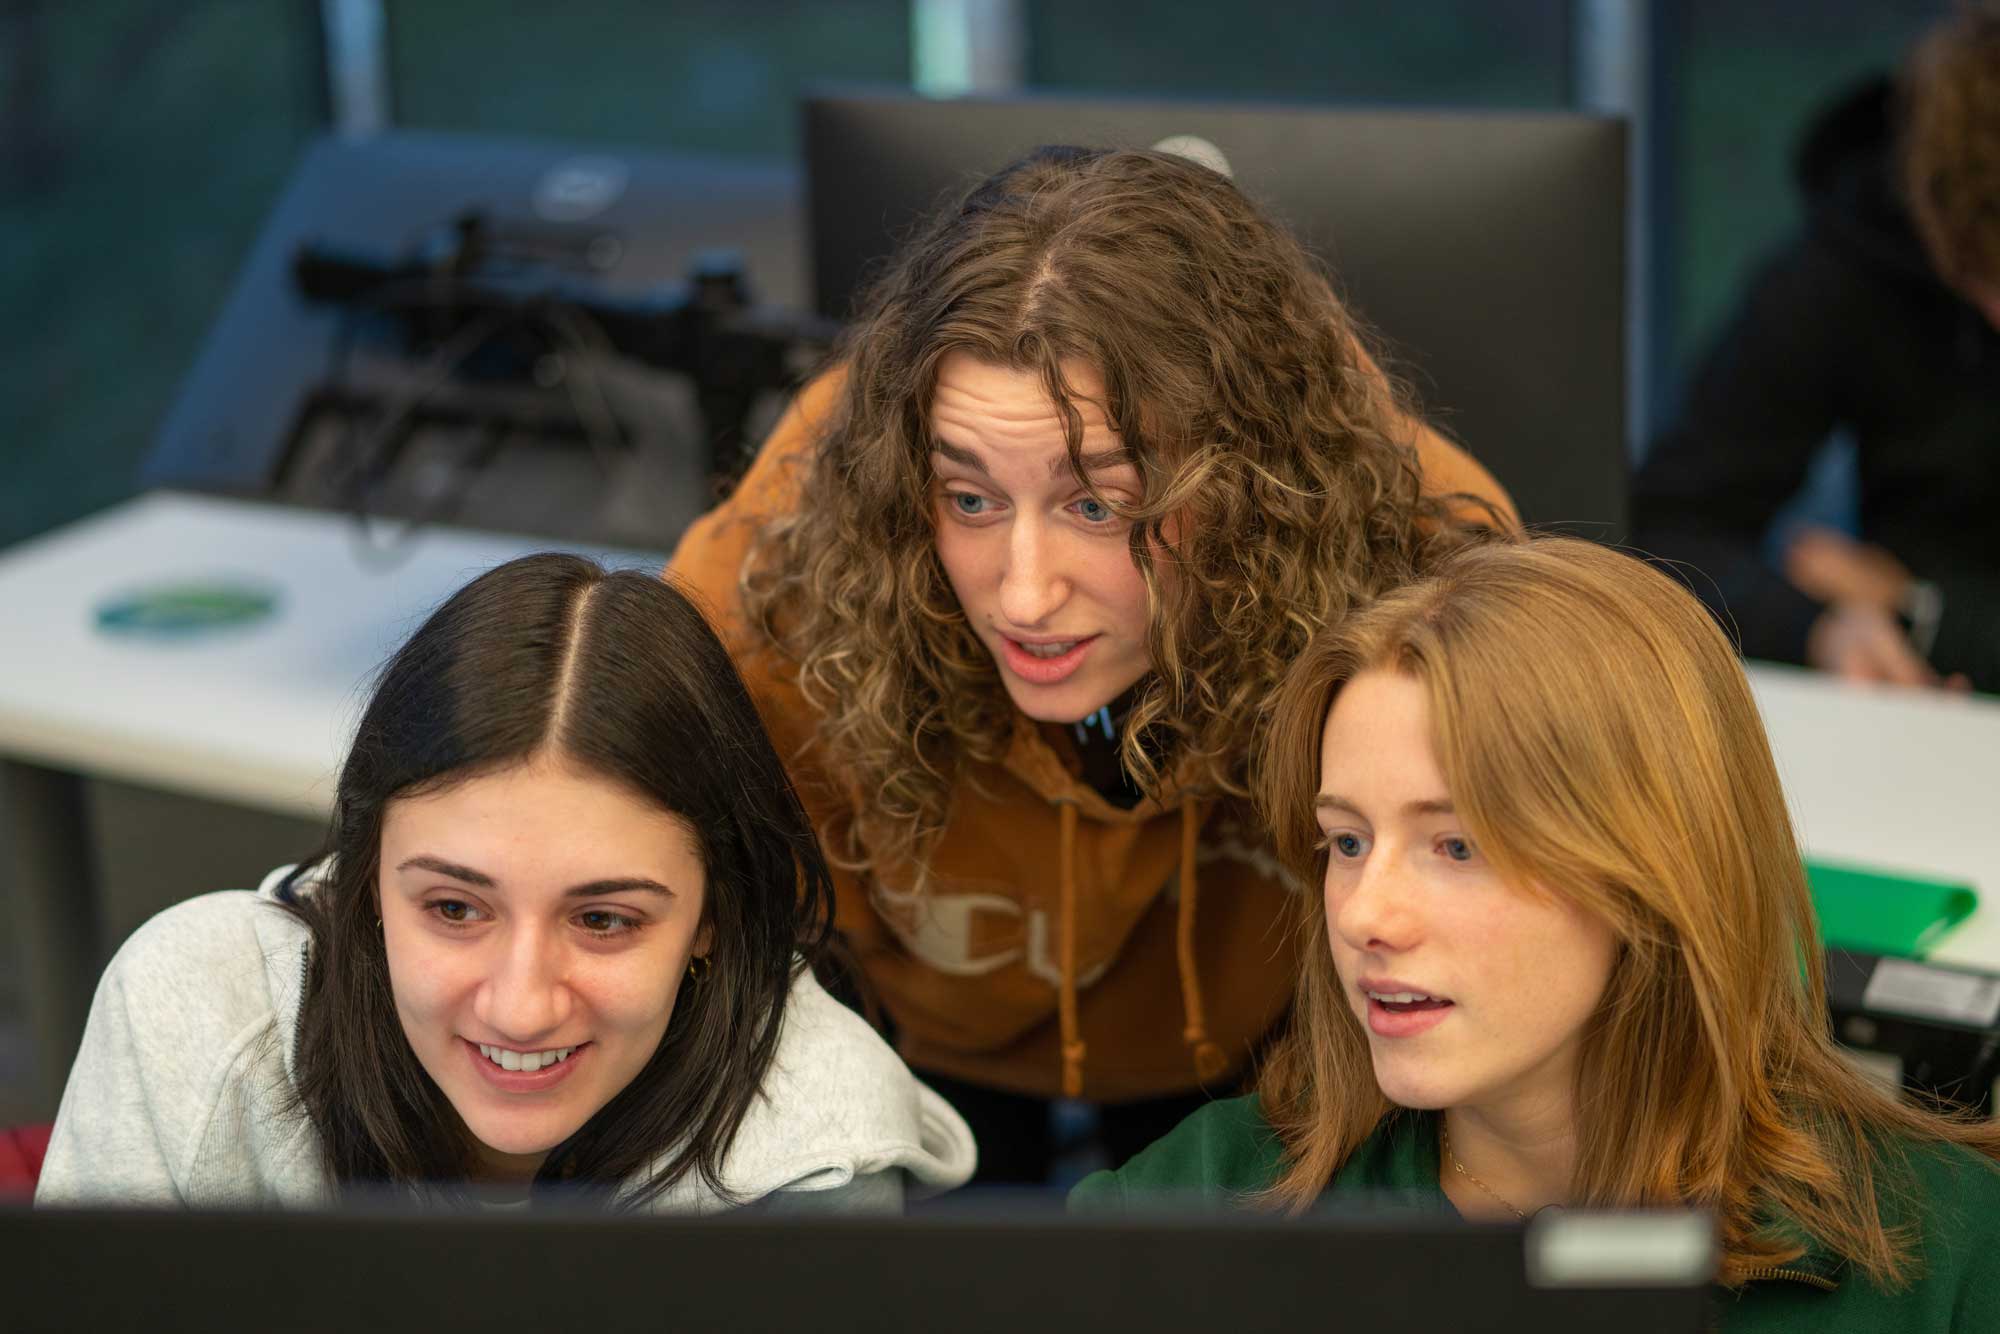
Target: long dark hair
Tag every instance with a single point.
(620, 674)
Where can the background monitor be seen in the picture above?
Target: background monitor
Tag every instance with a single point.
(282, 400)
(1488, 249)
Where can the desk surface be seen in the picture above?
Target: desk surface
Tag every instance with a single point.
(258, 715)
(1894, 779)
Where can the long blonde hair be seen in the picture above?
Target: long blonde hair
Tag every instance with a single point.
(1599, 738)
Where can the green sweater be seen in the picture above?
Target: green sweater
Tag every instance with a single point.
(1227, 1150)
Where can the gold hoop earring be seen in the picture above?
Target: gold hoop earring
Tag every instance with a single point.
(698, 968)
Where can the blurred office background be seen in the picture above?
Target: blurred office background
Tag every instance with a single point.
(142, 143)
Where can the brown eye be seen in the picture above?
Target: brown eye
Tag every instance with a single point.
(457, 912)
(600, 922)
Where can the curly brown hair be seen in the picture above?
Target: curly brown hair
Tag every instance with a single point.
(1266, 438)
(1951, 144)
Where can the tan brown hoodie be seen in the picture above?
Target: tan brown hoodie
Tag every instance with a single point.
(1056, 944)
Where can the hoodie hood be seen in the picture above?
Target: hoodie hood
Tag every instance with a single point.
(1845, 170)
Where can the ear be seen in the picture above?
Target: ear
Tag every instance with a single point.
(704, 941)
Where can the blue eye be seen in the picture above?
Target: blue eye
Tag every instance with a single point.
(1096, 511)
(967, 504)
(1458, 849)
(1347, 845)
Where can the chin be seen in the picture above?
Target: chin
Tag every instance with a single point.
(1420, 1090)
(1055, 705)
(513, 1135)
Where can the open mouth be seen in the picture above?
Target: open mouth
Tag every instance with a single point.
(1406, 1002)
(1397, 1010)
(1046, 663)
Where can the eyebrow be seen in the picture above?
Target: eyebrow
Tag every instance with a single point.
(1114, 457)
(591, 889)
(1328, 801)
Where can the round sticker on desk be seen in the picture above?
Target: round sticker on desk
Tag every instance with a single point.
(191, 610)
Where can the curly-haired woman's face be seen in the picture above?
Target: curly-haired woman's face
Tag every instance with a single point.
(538, 923)
(1043, 570)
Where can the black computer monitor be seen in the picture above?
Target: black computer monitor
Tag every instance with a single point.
(1488, 248)
(971, 1272)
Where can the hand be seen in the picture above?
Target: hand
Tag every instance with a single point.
(1858, 641)
(1829, 566)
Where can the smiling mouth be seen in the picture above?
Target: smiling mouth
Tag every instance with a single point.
(527, 1062)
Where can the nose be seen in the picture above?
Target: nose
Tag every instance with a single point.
(1374, 911)
(526, 995)
(1033, 586)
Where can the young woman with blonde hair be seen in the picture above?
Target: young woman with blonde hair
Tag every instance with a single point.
(1565, 954)
(1013, 584)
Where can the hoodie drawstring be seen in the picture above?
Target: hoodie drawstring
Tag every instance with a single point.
(1072, 1036)
(1209, 1062)
(1208, 1059)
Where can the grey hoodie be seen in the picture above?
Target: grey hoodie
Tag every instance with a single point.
(180, 1091)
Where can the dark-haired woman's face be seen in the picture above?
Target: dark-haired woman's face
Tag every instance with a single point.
(1043, 570)
(539, 923)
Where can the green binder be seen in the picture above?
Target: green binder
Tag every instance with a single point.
(1880, 913)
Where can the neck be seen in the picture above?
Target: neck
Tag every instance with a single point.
(493, 1168)
(1526, 1155)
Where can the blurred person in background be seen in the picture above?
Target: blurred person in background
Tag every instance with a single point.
(1880, 320)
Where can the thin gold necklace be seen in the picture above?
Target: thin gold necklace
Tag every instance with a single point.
(1444, 1134)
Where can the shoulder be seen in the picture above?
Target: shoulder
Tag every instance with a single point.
(1953, 1191)
(709, 557)
(838, 1105)
(1453, 475)
(206, 961)
(1225, 1150)
(178, 1088)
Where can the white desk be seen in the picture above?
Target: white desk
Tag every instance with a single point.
(1898, 779)
(256, 715)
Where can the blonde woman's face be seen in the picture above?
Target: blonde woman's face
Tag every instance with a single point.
(1473, 993)
(538, 922)
(1044, 571)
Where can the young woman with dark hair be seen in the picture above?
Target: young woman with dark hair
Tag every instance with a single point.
(1012, 584)
(561, 940)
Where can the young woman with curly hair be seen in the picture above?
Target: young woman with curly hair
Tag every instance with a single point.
(1562, 953)
(1013, 582)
